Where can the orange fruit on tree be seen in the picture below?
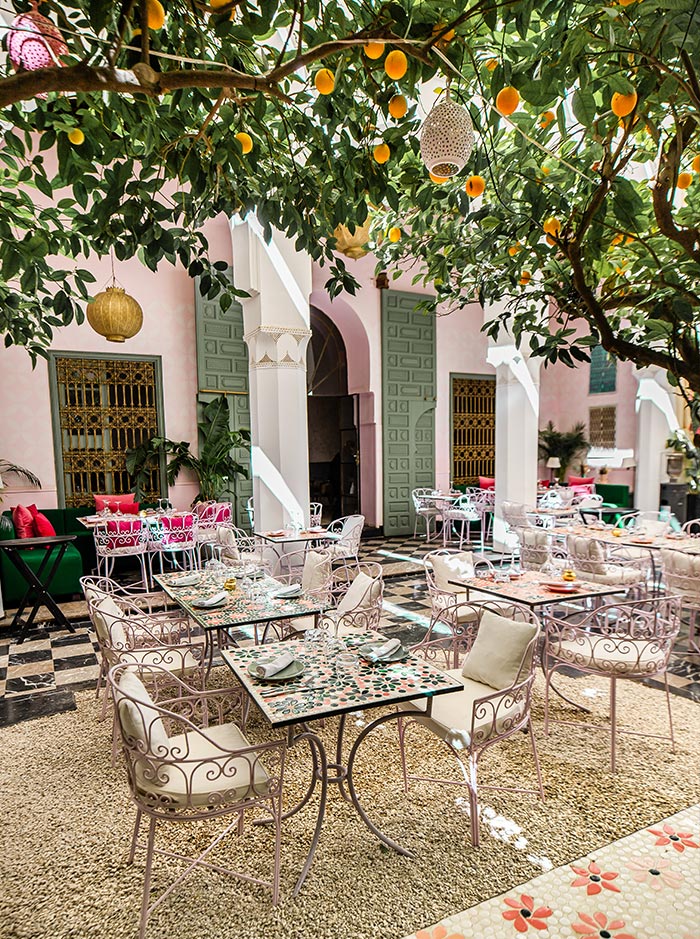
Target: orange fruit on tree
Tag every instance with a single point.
(547, 118)
(552, 226)
(695, 165)
(324, 80)
(525, 278)
(474, 186)
(438, 179)
(617, 240)
(550, 240)
(374, 49)
(684, 180)
(398, 107)
(245, 140)
(622, 105)
(394, 234)
(626, 3)
(449, 35)
(381, 153)
(220, 4)
(76, 136)
(545, 169)
(155, 14)
(491, 64)
(507, 100)
(396, 64)
(515, 249)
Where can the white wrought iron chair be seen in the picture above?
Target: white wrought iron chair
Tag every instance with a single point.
(188, 760)
(681, 576)
(692, 527)
(425, 507)
(534, 548)
(651, 524)
(356, 594)
(497, 677)
(347, 547)
(175, 538)
(595, 561)
(463, 512)
(236, 548)
(315, 514)
(617, 640)
(120, 538)
(250, 509)
(210, 516)
(441, 568)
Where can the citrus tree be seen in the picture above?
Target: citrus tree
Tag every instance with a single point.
(582, 188)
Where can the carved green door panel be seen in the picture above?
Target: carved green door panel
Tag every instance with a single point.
(222, 368)
(408, 406)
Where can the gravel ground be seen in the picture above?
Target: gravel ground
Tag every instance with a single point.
(67, 823)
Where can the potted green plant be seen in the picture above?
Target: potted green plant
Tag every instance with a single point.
(7, 468)
(566, 445)
(215, 467)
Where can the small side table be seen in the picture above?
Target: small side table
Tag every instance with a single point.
(37, 590)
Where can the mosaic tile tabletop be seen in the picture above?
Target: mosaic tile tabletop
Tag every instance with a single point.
(238, 609)
(644, 886)
(531, 590)
(688, 545)
(325, 689)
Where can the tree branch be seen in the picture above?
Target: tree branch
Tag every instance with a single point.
(669, 161)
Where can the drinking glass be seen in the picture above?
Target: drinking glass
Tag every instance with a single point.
(346, 663)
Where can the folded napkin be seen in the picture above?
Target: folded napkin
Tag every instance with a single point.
(185, 580)
(380, 652)
(268, 669)
(293, 590)
(213, 600)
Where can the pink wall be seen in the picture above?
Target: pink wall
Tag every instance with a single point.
(167, 299)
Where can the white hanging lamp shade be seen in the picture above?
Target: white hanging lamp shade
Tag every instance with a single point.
(115, 315)
(446, 138)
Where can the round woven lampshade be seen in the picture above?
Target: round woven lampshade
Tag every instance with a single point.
(447, 138)
(352, 245)
(115, 315)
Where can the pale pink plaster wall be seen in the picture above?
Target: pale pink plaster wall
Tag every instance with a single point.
(167, 299)
(564, 399)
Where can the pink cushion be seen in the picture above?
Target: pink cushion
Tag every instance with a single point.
(223, 513)
(544, 483)
(178, 528)
(23, 520)
(128, 532)
(42, 526)
(125, 504)
(581, 480)
(485, 482)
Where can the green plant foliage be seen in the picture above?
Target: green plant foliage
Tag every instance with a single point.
(567, 445)
(215, 467)
(8, 468)
(159, 111)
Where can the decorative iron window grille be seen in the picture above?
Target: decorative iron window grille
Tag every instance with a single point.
(473, 428)
(603, 372)
(601, 427)
(102, 408)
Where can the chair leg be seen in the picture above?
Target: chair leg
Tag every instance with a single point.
(277, 809)
(536, 760)
(135, 837)
(401, 727)
(670, 715)
(473, 801)
(613, 724)
(147, 878)
(547, 679)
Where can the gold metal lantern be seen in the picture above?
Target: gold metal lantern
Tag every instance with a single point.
(352, 244)
(115, 315)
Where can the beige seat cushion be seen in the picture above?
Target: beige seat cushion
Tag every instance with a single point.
(196, 767)
(616, 574)
(447, 567)
(451, 717)
(139, 719)
(316, 572)
(498, 650)
(358, 594)
(619, 656)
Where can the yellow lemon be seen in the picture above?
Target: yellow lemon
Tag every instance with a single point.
(491, 64)
(398, 107)
(396, 64)
(622, 105)
(374, 50)
(684, 180)
(324, 80)
(381, 153)
(394, 234)
(245, 140)
(474, 186)
(507, 100)
(155, 14)
(552, 226)
(76, 136)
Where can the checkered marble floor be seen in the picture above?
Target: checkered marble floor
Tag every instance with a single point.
(40, 676)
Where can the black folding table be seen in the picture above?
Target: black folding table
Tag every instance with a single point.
(37, 584)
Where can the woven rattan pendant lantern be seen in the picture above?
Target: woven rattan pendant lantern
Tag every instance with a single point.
(352, 244)
(447, 138)
(114, 314)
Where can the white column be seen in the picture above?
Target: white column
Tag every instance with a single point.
(276, 330)
(656, 420)
(517, 425)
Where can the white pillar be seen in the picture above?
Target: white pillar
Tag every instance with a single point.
(656, 420)
(276, 330)
(517, 425)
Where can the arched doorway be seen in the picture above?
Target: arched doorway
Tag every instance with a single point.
(334, 454)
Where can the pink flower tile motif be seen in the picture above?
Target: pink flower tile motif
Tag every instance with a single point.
(437, 932)
(655, 873)
(524, 915)
(680, 840)
(599, 926)
(594, 879)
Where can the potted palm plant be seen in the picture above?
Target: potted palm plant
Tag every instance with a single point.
(215, 467)
(566, 445)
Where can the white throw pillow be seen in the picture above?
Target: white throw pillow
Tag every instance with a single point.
(358, 594)
(139, 718)
(447, 567)
(108, 623)
(498, 650)
(227, 538)
(317, 571)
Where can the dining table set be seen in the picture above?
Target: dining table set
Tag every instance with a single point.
(534, 588)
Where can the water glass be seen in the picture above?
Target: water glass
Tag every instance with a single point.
(346, 664)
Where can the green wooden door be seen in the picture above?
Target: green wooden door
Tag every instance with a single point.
(408, 406)
(222, 368)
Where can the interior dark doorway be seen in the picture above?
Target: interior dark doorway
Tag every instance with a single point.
(334, 449)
